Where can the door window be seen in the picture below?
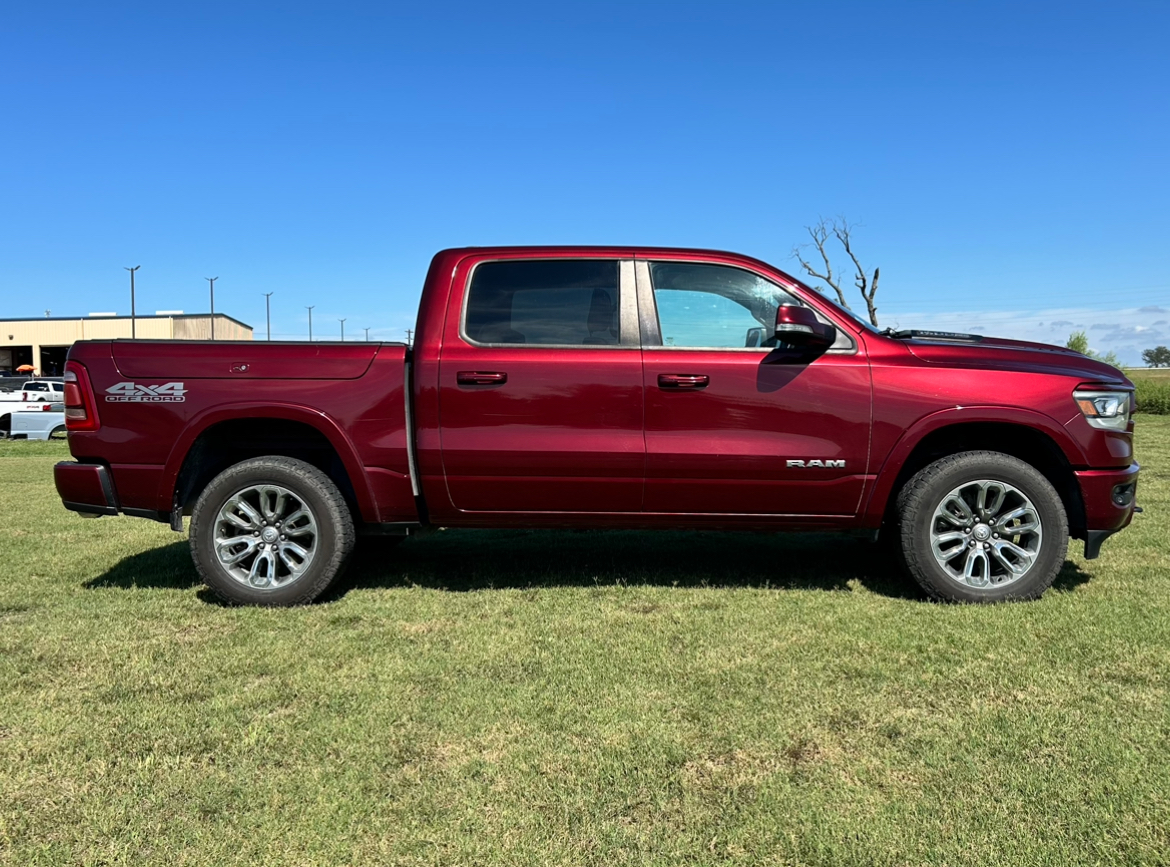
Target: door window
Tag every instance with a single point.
(715, 306)
(564, 302)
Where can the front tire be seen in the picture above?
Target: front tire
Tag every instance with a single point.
(981, 527)
(271, 531)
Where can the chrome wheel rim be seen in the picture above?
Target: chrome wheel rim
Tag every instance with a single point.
(265, 537)
(986, 533)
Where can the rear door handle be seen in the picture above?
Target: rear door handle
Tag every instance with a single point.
(683, 380)
(475, 377)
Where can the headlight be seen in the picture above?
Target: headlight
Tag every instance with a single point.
(1108, 410)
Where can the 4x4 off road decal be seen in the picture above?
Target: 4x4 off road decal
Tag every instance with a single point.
(132, 392)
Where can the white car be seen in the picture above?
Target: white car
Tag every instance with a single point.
(34, 421)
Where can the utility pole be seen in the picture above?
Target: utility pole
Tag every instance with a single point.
(409, 337)
(342, 321)
(310, 309)
(268, 313)
(367, 335)
(211, 281)
(133, 333)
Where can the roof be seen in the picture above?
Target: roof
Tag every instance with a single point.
(625, 252)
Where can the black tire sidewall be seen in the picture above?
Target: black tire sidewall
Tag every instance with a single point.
(926, 491)
(334, 538)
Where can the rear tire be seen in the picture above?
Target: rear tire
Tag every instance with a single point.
(271, 531)
(981, 527)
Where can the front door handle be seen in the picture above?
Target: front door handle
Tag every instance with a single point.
(475, 377)
(683, 380)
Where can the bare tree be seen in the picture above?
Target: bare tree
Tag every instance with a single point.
(821, 234)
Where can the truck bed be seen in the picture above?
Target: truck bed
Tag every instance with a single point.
(342, 404)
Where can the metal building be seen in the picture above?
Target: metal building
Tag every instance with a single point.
(44, 343)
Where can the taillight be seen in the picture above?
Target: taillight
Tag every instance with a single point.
(80, 407)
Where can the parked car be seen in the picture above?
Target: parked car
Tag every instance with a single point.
(608, 387)
(36, 422)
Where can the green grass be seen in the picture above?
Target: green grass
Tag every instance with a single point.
(576, 698)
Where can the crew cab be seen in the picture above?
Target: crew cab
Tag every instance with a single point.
(608, 387)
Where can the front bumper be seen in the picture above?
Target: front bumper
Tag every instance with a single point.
(86, 488)
(1109, 497)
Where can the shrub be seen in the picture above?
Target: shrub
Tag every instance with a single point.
(1153, 395)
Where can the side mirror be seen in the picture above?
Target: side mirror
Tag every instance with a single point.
(799, 326)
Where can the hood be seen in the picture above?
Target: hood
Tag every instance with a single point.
(997, 353)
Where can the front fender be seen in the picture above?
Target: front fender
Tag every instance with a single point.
(896, 458)
(311, 416)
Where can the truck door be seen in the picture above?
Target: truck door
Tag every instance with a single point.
(736, 427)
(540, 387)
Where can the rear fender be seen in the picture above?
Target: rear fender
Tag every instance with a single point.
(312, 417)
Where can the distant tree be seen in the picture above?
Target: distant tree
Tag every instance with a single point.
(821, 234)
(1159, 356)
(1078, 341)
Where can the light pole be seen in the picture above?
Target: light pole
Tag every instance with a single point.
(367, 335)
(133, 332)
(211, 281)
(342, 321)
(268, 313)
(310, 309)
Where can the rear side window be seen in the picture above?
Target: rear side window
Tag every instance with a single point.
(566, 302)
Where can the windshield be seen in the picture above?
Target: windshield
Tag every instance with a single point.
(845, 311)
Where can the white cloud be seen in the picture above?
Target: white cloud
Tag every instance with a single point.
(1126, 332)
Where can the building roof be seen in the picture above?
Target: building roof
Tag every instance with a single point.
(136, 317)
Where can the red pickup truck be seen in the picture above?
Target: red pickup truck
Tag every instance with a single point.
(608, 387)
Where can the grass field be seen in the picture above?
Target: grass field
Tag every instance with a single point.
(576, 698)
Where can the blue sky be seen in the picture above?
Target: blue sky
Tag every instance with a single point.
(1006, 162)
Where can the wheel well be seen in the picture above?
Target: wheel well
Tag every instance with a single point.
(227, 443)
(1028, 444)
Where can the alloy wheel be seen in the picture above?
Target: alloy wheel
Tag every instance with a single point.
(986, 533)
(265, 536)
